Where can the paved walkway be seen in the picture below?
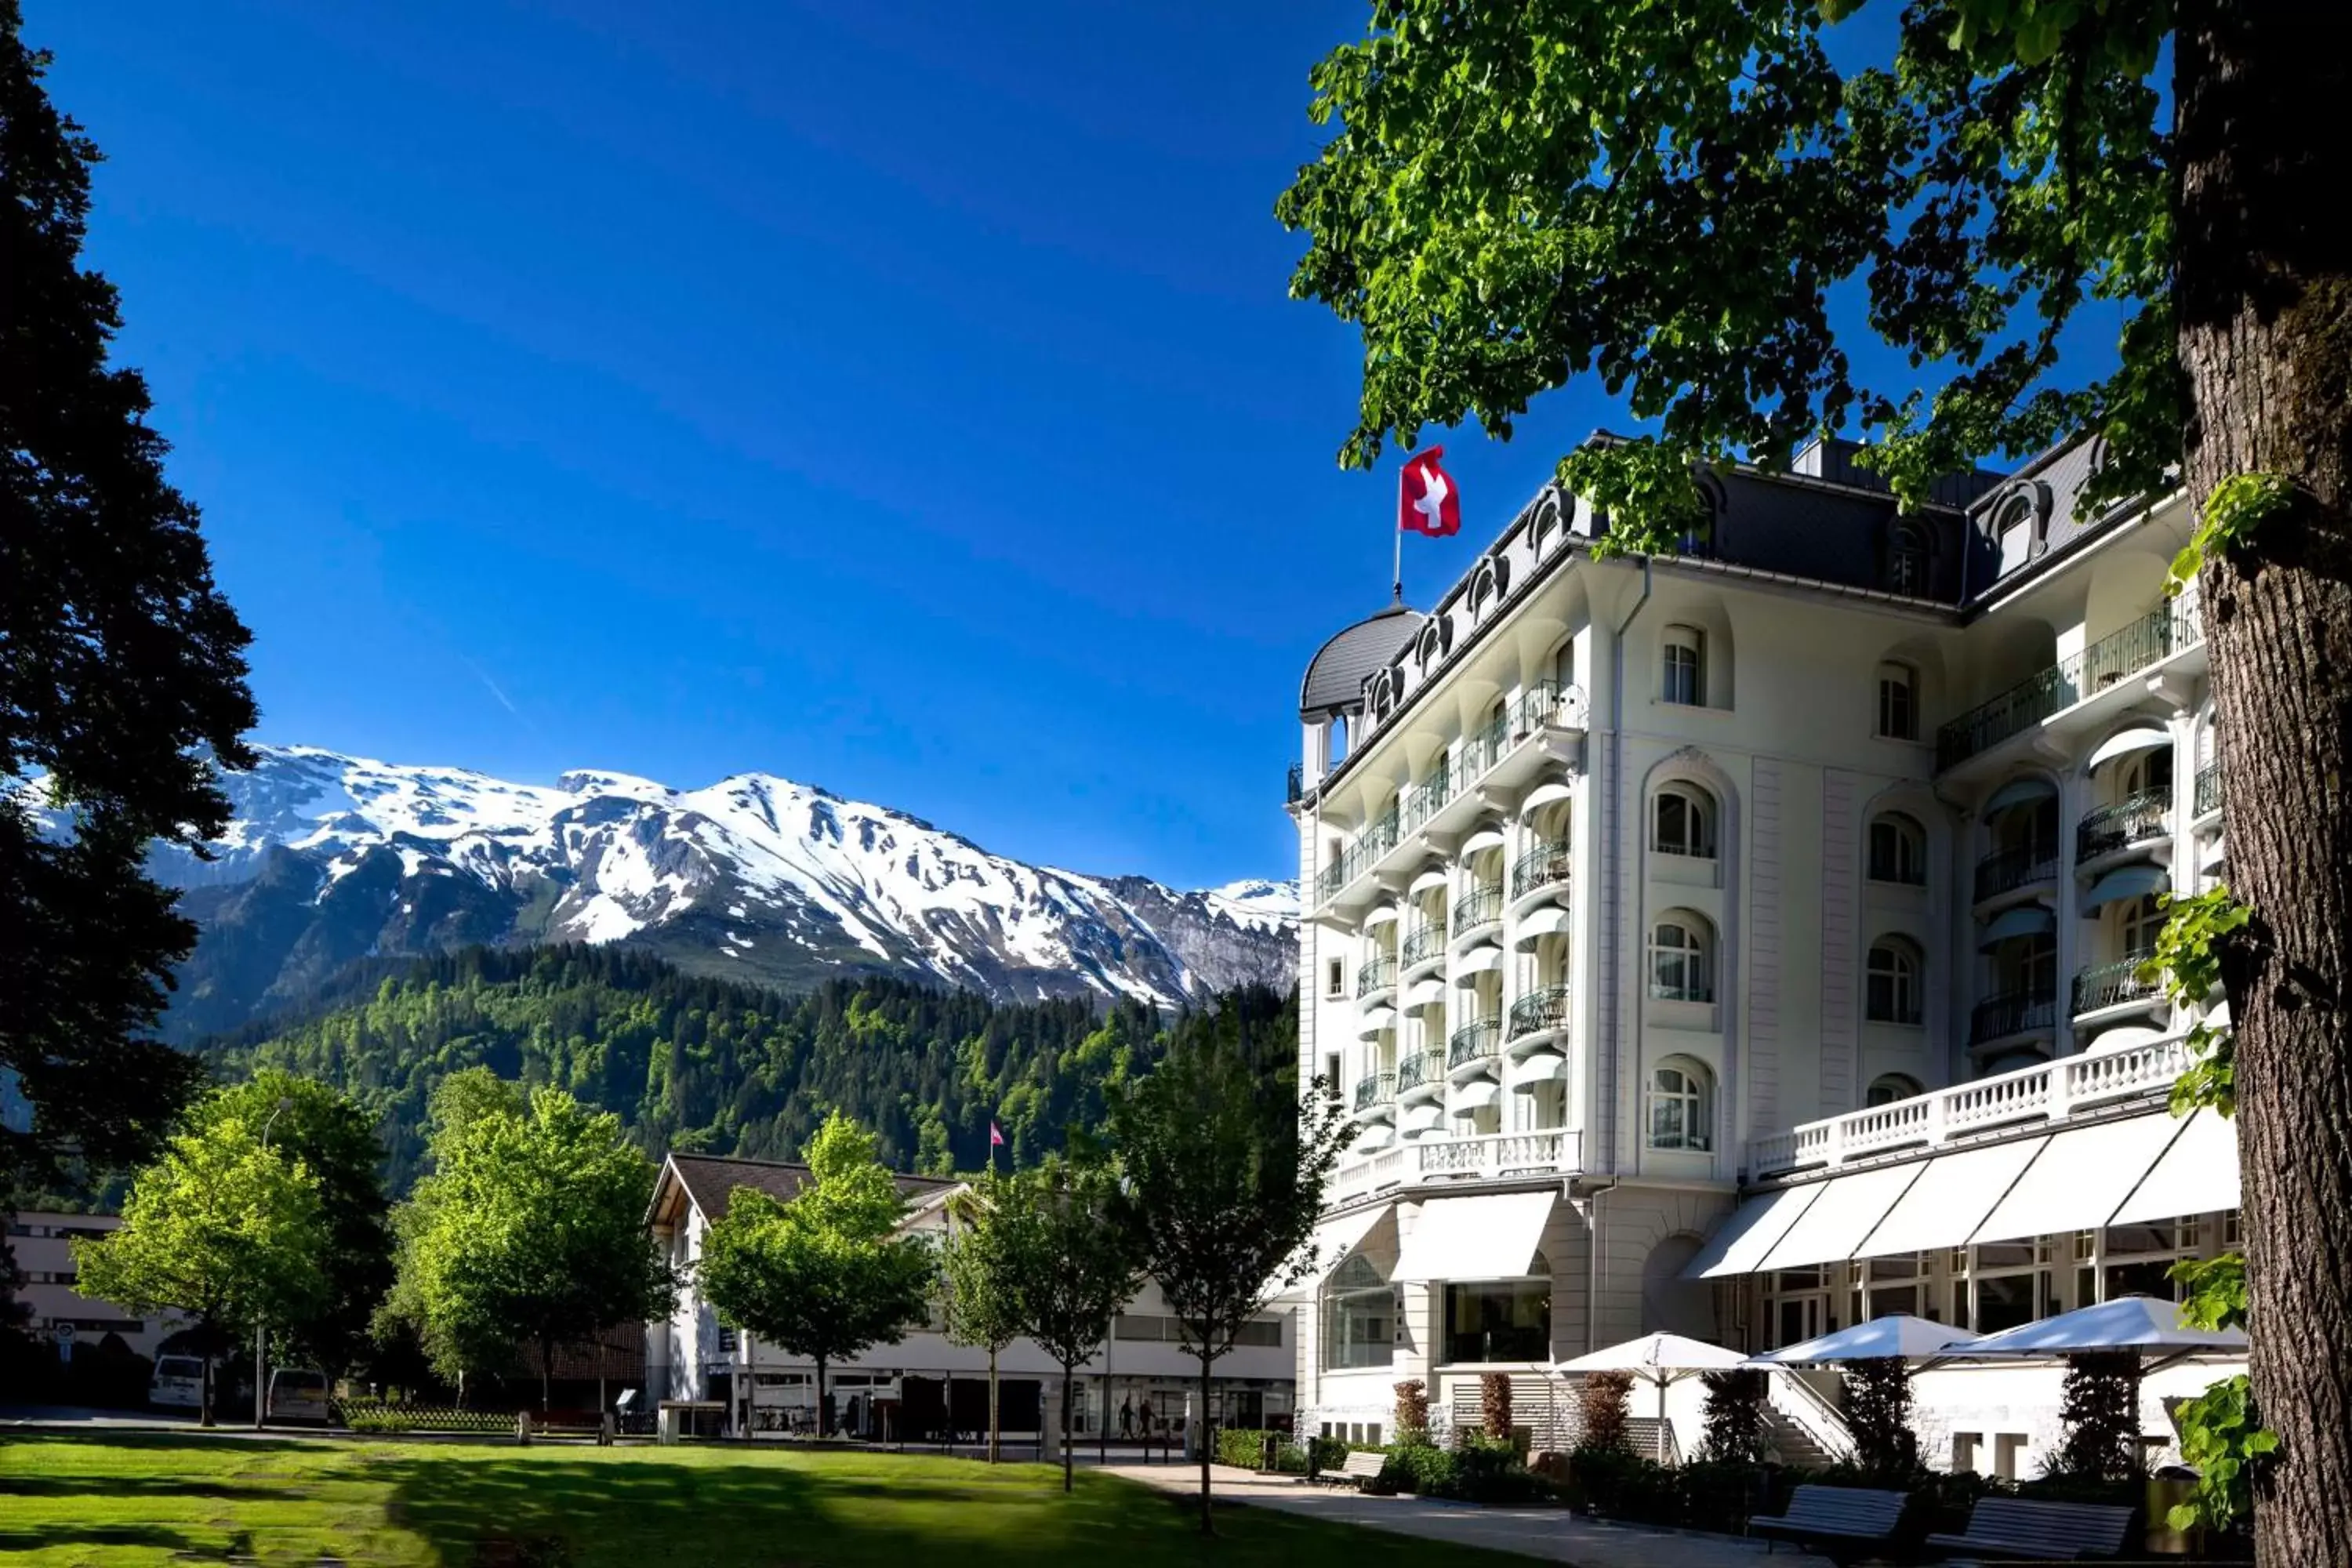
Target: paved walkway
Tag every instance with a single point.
(1547, 1532)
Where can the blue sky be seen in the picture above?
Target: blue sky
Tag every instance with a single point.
(903, 398)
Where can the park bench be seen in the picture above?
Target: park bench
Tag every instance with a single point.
(1839, 1523)
(1360, 1467)
(2037, 1532)
(562, 1424)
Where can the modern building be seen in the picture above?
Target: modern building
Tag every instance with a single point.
(1744, 942)
(926, 1386)
(61, 1314)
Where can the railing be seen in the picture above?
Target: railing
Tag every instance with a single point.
(2135, 819)
(1427, 798)
(1357, 858)
(1423, 941)
(1803, 1407)
(1384, 1169)
(1500, 1154)
(2152, 639)
(2209, 789)
(1482, 906)
(1540, 1010)
(1375, 1088)
(1479, 1040)
(1546, 863)
(2006, 871)
(1297, 785)
(2013, 1013)
(1420, 1070)
(2048, 1091)
(2109, 984)
(1377, 974)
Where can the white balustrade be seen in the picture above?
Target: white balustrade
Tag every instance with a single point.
(1499, 1153)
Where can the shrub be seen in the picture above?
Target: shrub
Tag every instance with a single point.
(1735, 1430)
(2101, 1413)
(1494, 1404)
(1605, 1399)
(1480, 1470)
(1412, 1411)
(1245, 1447)
(1878, 1413)
(1612, 1481)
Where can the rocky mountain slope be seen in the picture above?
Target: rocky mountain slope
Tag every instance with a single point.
(334, 859)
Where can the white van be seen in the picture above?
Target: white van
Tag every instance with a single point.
(178, 1383)
(297, 1394)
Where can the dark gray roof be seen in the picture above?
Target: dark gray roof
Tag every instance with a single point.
(1335, 676)
(710, 1180)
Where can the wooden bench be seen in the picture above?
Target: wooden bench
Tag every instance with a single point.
(1839, 1523)
(2038, 1531)
(562, 1424)
(1360, 1467)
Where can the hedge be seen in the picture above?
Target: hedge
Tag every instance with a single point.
(380, 1417)
(1480, 1469)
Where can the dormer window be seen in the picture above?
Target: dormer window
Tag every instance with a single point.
(2016, 536)
(1906, 561)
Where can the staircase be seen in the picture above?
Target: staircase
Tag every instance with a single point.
(1792, 1445)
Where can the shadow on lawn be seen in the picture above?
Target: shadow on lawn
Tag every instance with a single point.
(137, 1487)
(58, 1537)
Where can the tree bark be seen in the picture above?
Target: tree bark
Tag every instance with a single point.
(1200, 1437)
(993, 1427)
(205, 1393)
(824, 1423)
(2263, 292)
(1070, 1375)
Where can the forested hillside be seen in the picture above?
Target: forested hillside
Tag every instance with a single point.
(694, 1063)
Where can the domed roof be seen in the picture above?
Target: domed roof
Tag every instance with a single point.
(1335, 676)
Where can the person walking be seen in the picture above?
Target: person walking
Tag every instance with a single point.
(1126, 1419)
(1146, 1421)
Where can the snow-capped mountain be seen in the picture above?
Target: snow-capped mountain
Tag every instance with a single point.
(332, 860)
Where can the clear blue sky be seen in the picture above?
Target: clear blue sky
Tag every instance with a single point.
(903, 398)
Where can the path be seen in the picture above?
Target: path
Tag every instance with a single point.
(1547, 1532)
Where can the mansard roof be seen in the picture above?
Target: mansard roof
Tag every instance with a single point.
(1335, 676)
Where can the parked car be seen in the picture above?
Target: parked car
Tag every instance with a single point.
(297, 1394)
(178, 1383)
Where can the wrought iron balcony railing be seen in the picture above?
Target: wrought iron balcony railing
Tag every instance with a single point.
(2135, 819)
(1474, 1041)
(2011, 1012)
(1540, 867)
(2148, 640)
(1540, 1010)
(2006, 871)
(1375, 1088)
(2209, 789)
(1481, 906)
(2108, 985)
(1424, 940)
(1378, 974)
(1420, 1068)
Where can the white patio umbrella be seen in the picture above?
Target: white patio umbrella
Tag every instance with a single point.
(2146, 1324)
(1897, 1335)
(1660, 1359)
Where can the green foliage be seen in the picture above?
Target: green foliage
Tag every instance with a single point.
(2223, 1439)
(1412, 1411)
(827, 1274)
(993, 1246)
(374, 1417)
(2216, 1297)
(1480, 1469)
(1603, 1410)
(122, 674)
(220, 1230)
(2100, 1411)
(1878, 1414)
(1085, 1270)
(693, 1063)
(530, 1229)
(1736, 1431)
(2187, 961)
(2238, 505)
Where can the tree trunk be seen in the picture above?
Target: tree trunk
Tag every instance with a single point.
(823, 1422)
(2263, 292)
(1070, 1375)
(1200, 1437)
(546, 1366)
(205, 1393)
(992, 1404)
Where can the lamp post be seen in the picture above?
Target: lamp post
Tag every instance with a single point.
(261, 1328)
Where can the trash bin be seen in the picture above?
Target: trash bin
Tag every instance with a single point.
(2170, 1486)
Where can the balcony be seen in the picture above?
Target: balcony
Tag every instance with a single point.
(2209, 789)
(2151, 639)
(1296, 790)
(2105, 985)
(1420, 1071)
(1547, 865)
(1375, 1091)
(1429, 797)
(2011, 1014)
(1423, 944)
(2141, 817)
(1540, 1012)
(1376, 979)
(1366, 846)
(1488, 1157)
(2046, 1092)
(1480, 907)
(2007, 870)
(1477, 1043)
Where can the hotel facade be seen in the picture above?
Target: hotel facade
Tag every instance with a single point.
(1745, 944)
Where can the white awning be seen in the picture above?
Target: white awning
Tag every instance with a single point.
(1475, 1095)
(1479, 843)
(1383, 915)
(2199, 1174)
(1421, 1118)
(1429, 882)
(1480, 960)
(2141, 738)
(1490, 1237)
(1848, 1210)
(1950, 1199)
(2126, 882)
(1536, 923)
(2080, 1178)
(2018, 792)
(1544, 794)
(2123, 1037)
(1739, 1244)
(2026, 919)
(1334, 1239)
(1377, 1137)
(1539, 1067)
(1373, 1022)
(1424, 993)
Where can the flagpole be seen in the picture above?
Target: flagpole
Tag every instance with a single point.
(1396, 585)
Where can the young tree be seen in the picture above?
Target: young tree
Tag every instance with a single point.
(336, 1141)
(1878, 1413)
(530, 1230)
(1084, 1272)
(827, 1274)
(1223, 1181)
(991, 1252)
(221, 1231)
(1517, 196)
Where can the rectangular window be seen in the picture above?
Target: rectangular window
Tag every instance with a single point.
(1335, 979)
(2008, 1300)
(1507, 1320)
(1898, 703)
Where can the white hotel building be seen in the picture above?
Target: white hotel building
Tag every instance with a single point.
(1742, 943)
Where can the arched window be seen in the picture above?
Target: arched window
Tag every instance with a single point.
(2016, 534)
(1682, 960)
(1906, 559)
(2146, 773)
(1685, 666)
(2138, 925)
(1359, 1316)
(1683, 822)
(1898, 850)
(1682, 1113)
(1892, 992)
(1898, 702)
(1888, 1087)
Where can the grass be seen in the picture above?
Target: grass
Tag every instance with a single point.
(132, 1499)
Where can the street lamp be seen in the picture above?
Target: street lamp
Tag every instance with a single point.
(260, 1329)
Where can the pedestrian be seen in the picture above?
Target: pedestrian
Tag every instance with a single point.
(1147, 1419)
(1125, 1418)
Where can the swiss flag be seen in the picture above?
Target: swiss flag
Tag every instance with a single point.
(1427, 501)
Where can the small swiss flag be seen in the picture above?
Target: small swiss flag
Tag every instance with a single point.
(995, 1137)
(1427, 501)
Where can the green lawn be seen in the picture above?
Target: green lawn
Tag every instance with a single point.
(141, 1499)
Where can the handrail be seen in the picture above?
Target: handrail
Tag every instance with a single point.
(2138, 817)
(1820, 1420)
(1419, 1070)
(1296, 785)
(2152, 639)
(1544, 1009)
(2209, 788)
(1427, 939)
(2108, 984)
(2013, 1013)
(2006, 871)
(1474, 1041)
(1549, 861)
(1377, 974)
(1375, 1088)
(1480, 906)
